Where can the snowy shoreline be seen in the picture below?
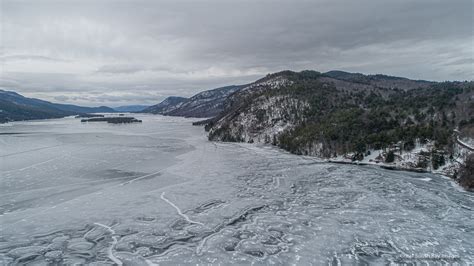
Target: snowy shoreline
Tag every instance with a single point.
(392, 167)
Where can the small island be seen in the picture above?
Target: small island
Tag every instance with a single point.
(113, 120)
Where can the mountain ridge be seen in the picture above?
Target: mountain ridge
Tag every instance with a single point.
(131, 108)
(168, 104)
(205, 104)
(14, 107)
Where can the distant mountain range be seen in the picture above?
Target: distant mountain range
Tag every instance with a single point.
(204, 104)
(131, 108)
(14, 107)
(211, 103)
(167, 105)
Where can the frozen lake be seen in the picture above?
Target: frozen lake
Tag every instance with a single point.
(160, 193)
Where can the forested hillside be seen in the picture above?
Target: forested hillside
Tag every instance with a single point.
(14, 107)
(336, 113)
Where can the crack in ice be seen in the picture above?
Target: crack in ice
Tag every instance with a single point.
(141, 177)
(110, 250)
(180, 213)
(33, 165)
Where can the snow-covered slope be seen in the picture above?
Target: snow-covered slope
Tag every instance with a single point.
(167, 105)
(419, 158)
(260, 119)
(204, 104)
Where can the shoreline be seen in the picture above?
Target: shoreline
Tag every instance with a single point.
(387, 167)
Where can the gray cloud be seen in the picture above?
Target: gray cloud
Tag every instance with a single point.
(29, 57)
(115, 69)
(105, 51)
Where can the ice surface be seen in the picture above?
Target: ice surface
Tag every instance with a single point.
(159, 193)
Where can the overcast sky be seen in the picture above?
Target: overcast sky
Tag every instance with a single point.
(95, 52)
